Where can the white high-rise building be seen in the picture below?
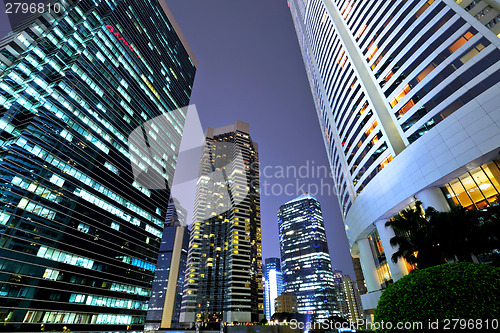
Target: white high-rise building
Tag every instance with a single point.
(406, 92)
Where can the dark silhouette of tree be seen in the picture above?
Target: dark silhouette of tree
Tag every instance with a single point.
(282, 316)
(337, 319)
(429, 238)
(415, 238)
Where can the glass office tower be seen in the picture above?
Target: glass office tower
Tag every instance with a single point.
(79, 235)
(305, 260)
(223, 280)
(273, 284)
(406, 92)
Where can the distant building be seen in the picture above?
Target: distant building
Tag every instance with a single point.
(273, 284)
(305, 260)
(360, 280)
(166, 296)
(286, 302)
(223, 280)
(339, 292)
(352, 300)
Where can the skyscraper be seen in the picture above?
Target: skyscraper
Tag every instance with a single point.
(305, 260)
(406, 92)
(164, 306)
(224, 272)
(339, 293)
(79, 233)
(354, 310)
(273, 284)
(360, 280)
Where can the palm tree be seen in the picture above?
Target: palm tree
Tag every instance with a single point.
(428, 238)
(458, 233)
(415, 238)
(489, 218)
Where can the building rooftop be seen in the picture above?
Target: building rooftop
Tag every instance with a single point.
(302, 197)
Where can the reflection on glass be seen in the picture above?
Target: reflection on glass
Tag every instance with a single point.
(384, 274)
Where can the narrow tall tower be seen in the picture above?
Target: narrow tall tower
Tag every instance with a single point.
(166, 294)
(352, 300)
(224, 271)
(305, 260)
(406, 92)
(273, 284)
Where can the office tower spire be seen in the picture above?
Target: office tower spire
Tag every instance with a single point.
(224, 271)
(305, 261)
(406, 92)
(79, 234)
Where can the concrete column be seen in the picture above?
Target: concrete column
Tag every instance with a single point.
(398, 270)
(434, 197)
(368, 265)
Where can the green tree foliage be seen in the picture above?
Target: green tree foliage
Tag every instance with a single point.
(449, 291)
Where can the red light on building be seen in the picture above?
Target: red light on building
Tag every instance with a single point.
(117, 34)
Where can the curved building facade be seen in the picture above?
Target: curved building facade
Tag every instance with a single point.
(406, 94)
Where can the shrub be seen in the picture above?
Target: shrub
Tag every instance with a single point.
(449, 291)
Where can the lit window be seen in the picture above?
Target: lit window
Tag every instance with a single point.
(426, 72)
(111, 168)
(400, 96)
(372, 53)
(83, 227)
(469, 55)
(55, 179)
(361, 31)
(461, 41)
(385, 162)
(406, 108)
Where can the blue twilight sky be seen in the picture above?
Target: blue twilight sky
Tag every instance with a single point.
(250, 69)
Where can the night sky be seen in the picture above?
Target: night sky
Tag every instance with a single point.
(250, 69)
